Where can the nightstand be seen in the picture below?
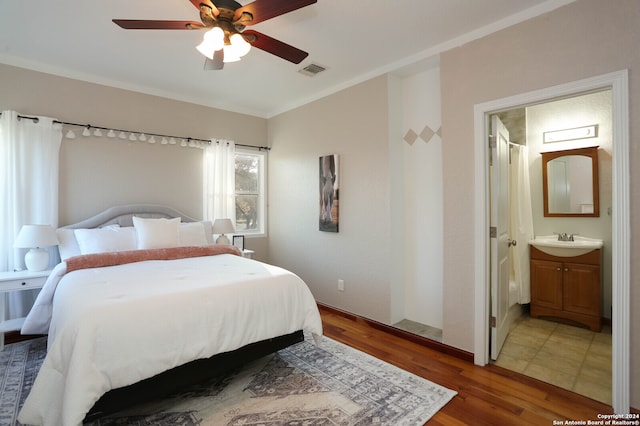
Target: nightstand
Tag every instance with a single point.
(248, 253)
(17, 281)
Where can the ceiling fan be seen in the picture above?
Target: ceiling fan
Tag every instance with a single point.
(226, 39)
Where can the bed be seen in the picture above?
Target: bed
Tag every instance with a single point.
(143, 302)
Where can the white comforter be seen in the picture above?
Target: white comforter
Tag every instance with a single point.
(114, 326)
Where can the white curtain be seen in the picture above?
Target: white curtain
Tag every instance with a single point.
(521, 220)
(29, 150)
(219, 183)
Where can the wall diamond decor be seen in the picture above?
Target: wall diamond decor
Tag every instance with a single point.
(426, 135)
(410, 137)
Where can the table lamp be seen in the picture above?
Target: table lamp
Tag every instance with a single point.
(35, 237)
(223, 226)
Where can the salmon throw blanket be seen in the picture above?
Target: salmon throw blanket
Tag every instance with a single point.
(99, 260)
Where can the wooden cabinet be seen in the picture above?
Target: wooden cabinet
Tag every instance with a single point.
(567, 288)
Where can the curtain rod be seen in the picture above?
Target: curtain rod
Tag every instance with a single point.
(189, 139)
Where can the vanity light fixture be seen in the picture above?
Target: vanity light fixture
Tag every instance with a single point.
(584, 132)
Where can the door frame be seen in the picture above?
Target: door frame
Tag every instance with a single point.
(618, 82)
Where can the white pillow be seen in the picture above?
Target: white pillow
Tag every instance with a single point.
(157, 233)
(68, 246)
(192, 234)
(107, 239)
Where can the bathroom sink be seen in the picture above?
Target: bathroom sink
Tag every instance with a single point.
(581, 245)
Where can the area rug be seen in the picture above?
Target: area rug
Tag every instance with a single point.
(305, 384)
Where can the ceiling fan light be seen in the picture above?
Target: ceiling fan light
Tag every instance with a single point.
(211, 41)
(215, 36)
(240, 45)
(230, 54)
(205, 49)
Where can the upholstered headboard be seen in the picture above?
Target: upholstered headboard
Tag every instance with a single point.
(121, 215)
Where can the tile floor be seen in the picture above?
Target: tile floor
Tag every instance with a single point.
(420, 329)
(569, 357)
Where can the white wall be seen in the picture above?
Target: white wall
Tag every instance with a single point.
(421, 167)
(96, 173)
(353, 124)
(389, 247)
(594, 108)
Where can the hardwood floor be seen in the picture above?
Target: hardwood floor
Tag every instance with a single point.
(487, 395)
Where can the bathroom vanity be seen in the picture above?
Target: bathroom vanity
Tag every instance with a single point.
(565, 282)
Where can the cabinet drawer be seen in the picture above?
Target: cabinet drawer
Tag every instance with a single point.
(23, 284)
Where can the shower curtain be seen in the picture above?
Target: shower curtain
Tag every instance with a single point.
(521, 220)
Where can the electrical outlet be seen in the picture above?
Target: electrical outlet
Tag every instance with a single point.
(340, 285)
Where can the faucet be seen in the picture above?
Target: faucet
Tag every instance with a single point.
(563, 236)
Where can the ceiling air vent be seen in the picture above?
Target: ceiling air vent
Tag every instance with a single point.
(312, 69)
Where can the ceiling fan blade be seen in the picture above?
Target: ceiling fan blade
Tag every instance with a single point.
(267, 9)
(207, 3)
(275, 47)
(217, 63)
(134, 24)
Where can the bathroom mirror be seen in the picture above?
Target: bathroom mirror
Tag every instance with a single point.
(570, 183)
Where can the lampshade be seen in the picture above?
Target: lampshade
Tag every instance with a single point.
(35, 237)
(213, 40)
(239, 45)
(223, 226)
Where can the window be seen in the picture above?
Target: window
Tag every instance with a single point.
(250, 192)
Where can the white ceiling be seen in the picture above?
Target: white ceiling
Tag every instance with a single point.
(355, 39)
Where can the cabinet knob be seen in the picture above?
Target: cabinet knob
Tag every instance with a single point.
(557, 269)
(24, 283)
(566, 269)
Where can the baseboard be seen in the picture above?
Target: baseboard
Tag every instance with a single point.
(424, 341)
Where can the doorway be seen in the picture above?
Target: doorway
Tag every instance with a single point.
(564, 354)
(618, 83)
